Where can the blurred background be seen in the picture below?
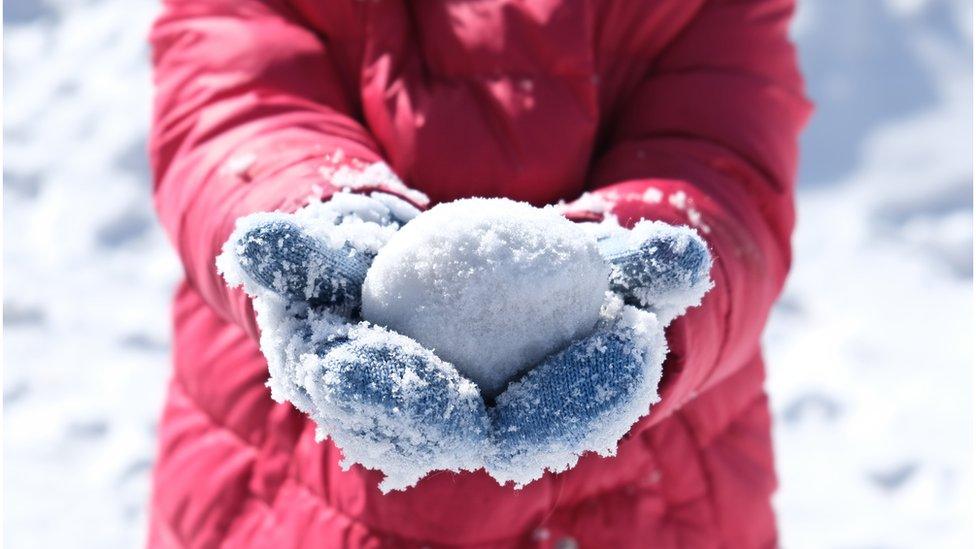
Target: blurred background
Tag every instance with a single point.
(869, 351)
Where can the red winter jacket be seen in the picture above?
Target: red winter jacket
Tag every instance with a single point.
(681, 110)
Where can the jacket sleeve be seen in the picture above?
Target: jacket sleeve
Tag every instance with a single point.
(709, 139)
(249, 116)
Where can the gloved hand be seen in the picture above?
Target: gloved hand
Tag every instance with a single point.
(658, 267)
(586, 397)
(389, 403)
(393, 405)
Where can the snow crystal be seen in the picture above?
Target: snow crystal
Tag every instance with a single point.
(678, 199)
(609, 227)
(365, 223)
(681, 201)
(377, 174)
(652, 195)
(591, 203)
(672, 274)
(490, 285)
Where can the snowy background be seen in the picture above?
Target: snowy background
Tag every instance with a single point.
(870, 349)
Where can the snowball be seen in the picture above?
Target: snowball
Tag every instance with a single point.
(490, 285)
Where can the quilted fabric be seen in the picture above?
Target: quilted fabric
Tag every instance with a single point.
(686, 111)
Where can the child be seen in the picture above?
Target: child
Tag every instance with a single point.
(681, 111)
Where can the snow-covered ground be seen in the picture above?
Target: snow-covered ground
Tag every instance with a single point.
(870, 350)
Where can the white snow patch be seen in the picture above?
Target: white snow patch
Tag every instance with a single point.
(357, 175)
(652, 195)
(589, 202)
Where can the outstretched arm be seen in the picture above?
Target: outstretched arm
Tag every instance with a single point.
(708, 139)
(249, 116)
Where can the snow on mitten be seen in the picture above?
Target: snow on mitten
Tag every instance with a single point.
(280, 256)
(659, 267)
(587, 396)
(318, 255)
(387, 402)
